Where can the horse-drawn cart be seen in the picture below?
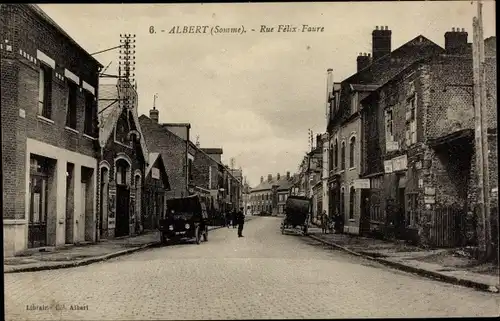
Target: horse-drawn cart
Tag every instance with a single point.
(297, 213)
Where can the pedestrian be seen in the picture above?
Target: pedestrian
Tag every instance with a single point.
(228, 219)
(235, 219)
(324, 222)
(241, 222)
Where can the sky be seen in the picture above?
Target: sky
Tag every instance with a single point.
(255, 95)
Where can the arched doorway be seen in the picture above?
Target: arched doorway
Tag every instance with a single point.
(122, 169)
(103, 201)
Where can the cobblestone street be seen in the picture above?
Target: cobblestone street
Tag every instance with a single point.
(263, 275)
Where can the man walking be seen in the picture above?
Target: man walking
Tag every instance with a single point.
(241, 222)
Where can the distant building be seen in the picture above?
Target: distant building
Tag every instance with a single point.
(270, 195)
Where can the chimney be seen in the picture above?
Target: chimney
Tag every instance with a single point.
(154, 114)
(363, 61)
(318, 140)
(278, 176)
(381, 42)
(269, 178)
(329, 83)
(262, 179)
(287, 175)
(455, 40)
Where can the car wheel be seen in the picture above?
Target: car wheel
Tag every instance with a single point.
(163, 239)
(197, 235)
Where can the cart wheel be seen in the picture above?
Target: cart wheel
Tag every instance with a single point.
(197, 235)
(205, 235)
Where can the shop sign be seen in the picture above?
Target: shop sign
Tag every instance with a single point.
(399, 163)
(430, 191)
(429, 200)
(388, 166)
(361, 183)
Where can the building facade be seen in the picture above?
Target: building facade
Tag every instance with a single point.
(174, 151)
(269, 197)
(344, 125)
(49, 132)
(419, 149)
(122, 163)
(156, 187)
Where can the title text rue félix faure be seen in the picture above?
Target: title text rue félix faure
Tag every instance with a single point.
(239, 30)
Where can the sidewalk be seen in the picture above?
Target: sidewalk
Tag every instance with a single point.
(448, 265)
(78, 255)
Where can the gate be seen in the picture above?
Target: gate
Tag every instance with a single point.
(445, 226)
(37, 225)
(122, 210)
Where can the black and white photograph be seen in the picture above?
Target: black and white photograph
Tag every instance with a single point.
(249, 160)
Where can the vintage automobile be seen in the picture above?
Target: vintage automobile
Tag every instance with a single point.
(186, 219)
(297, 213)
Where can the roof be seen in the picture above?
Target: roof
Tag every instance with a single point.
(212, 150)
(109, 114)
(413, 64)
(151, 161)
(176, 124)
(419, 41)
(360, 87)
(51, 22)
(153, 157)
(283, 184)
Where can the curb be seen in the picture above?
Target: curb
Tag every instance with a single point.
(81, 262)
(426, 273)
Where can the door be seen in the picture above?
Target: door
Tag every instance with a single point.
(122, 211)
(365, 212)
(401, 214)
(103, 203)
(37, 225)
(70, 213)
(81, 220)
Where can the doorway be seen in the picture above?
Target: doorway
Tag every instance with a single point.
(122, 210)
(70, 203)
(40, 169)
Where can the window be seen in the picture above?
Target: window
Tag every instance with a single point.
(411, 121)
(342, 200)
(121, 175)
(45, 91)
(352, 201)
(90, 115)
(330, 159)
(342, 156)
(190, 169)
(354, 103)
(336, 154)
(352, 146)
(71, 108)
(389, 130)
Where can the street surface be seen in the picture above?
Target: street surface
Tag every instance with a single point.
(261, 276)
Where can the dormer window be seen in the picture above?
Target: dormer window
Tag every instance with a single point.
(354, 103)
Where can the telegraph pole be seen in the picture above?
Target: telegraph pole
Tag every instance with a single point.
(481, 135)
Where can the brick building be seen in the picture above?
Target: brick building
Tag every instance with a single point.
(174, 151)
(418, 149)
(49, 132)
(270, 196)
(122, 162)
(156, 187)
(344, 123)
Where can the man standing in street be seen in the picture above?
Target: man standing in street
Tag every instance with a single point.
(241, 221)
